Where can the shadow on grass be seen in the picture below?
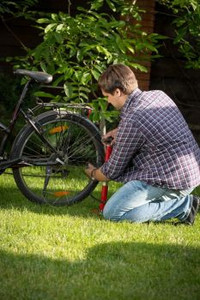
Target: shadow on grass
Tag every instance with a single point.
(109, 271)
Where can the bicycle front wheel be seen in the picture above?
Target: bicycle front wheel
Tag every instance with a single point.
(54, 171)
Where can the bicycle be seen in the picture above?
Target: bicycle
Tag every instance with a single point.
(49, 154)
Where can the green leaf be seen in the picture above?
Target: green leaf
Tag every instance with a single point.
(83, 95)
(43, 94)
(103, 50)
(43, 66)
(68, 90)
(138, 67)
(86, 77)
(96, 4)
(95, 104)
(95, 74)
(58, 80)
(42, 21)
(54, 17)
(60, 27)
(95, 116)
(111, 5)
(85, 89)
(103, 104)
(58, 37)
(50, 27)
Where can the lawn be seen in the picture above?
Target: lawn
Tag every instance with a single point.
(70, 253)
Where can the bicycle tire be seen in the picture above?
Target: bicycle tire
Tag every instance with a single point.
(46, 180)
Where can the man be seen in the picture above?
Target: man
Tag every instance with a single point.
(154, 154)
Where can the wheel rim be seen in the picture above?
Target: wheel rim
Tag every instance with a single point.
(59, 179)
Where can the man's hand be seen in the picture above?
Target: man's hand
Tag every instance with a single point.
(111, 135)
(91, 171)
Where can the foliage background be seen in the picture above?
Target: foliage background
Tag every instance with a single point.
(76, 49)
(187, 29)
(80, 84)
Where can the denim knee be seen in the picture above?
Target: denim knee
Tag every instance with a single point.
(108, 214)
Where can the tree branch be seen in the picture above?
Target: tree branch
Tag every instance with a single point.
(69, 7)
(14, 35)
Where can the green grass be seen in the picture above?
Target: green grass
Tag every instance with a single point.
(70, 253)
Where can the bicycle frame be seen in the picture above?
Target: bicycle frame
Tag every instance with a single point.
(7, 131)
(7, 163)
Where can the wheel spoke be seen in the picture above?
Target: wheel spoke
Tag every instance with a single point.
(58, 179)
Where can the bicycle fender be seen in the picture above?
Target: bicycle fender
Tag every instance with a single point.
(58, 114)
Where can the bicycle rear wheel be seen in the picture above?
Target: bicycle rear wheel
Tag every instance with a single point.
(56, 174)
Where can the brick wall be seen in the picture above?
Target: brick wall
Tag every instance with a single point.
(148, 26)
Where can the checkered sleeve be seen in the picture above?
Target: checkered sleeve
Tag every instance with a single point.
(128, 141)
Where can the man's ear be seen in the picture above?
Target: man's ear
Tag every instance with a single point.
(117, 92)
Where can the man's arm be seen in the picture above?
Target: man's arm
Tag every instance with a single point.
(95, 173)
(129, 141)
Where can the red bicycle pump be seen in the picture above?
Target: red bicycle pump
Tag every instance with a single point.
(104, 190)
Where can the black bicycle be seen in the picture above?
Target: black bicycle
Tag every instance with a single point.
(49, 154)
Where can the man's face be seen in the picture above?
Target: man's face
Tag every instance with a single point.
(114, 99)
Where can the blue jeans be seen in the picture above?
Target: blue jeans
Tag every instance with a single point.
(139, 202)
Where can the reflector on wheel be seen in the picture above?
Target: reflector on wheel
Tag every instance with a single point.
(58, 129)
(61, 193)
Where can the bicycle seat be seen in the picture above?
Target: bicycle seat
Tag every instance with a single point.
(38, 76)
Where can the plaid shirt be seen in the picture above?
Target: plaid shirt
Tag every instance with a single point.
(154, 144)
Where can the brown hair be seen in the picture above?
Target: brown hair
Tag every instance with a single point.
(118, 76)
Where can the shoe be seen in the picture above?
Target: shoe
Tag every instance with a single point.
(194, 210)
